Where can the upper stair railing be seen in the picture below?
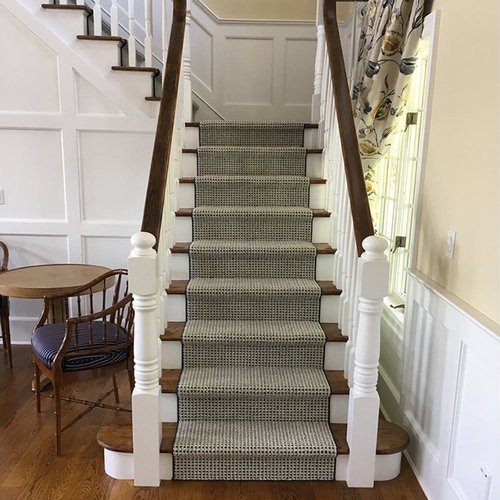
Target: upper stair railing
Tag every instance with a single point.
(148, 270)
(361, 267)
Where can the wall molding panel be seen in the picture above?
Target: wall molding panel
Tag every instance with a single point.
(245, 70)
(450, 393)
(72, 165)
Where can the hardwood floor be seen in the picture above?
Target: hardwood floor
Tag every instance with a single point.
(29, 468)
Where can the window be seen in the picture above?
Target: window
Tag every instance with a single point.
(397, 179)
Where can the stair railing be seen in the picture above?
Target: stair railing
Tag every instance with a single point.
(361, 268)
(148, 275)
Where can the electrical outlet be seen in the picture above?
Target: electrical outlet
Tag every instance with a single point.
(486, 483)
(450, 244)
(2, 199)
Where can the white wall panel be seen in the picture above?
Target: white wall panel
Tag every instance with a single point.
(202, 56)
(450, 393)
(110, 252)
(114, 168)
(90, 101)
(31, 174)
(31, 61)
(299, 71)
(248, 71)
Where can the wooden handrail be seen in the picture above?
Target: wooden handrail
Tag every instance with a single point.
(155, 194)
(360, 208)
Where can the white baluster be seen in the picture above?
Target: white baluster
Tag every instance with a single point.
(165, 34)
(97, 10)
(63, 2)
(114, 17)
(186, 65)
(148, 40)
(318, 74)
(132, 41)
(142, 264)
(364, 402)
(80, 2)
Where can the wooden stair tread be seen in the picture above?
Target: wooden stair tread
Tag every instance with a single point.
(170, 377)
(179, 287)
(337, 382)
(390, 438)
(102, 38)
(195, 150)
(53, 6)
(188, 212)
(190, 180)
(174, 330)
(118, 437)
(153, 98)
(321, 248)
(197, 124)
(136, 69)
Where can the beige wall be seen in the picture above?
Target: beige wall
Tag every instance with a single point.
(461, 183)
(269, 9)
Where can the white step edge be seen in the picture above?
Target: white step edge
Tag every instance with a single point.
(321, 229)
(314, 164)
(176, 308)
(120, 465)
(192, 138)
(179, 266)
(317, 195)
(339, 405)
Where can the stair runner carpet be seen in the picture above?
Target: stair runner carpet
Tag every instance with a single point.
(253, 396)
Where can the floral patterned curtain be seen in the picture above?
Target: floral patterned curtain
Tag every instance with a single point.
(389, 39)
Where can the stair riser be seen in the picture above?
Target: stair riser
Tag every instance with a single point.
(317, 196)
(293, 407)
(101, 54)
(320, 233)
(133, 83)
(313, 165)
(339, 404)
(192, 139)
(121, 466)
(176, 308)
(180, 267)
(334, 356)
(66, 24)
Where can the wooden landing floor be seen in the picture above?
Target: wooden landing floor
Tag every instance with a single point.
(30, 470)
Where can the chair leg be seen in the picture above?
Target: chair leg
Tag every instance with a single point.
(131, 381)
(57, 401)
(36, 378)
(115, 389)
(5, 325)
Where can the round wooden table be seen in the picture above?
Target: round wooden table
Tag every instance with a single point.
(36, 282)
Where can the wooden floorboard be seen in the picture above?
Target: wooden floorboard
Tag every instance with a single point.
(29, 468)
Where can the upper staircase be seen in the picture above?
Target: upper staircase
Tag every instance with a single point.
(255, 251)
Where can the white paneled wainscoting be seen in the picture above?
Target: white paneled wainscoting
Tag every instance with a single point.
(76, 150)
(439, 379)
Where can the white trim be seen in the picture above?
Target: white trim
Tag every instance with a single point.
(485, 323)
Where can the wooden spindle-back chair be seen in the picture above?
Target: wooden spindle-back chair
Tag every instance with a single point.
(4, 306)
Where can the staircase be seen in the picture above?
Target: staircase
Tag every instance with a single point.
(265, 370)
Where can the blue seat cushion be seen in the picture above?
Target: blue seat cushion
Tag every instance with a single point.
(46, 342)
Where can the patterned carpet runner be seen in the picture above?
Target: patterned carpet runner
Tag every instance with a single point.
(253, 397)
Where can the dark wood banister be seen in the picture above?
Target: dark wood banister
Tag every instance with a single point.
(360, 208)
(155, 194)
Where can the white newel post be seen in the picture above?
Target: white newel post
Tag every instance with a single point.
(186, 67)
(142, 264)
(114, 17)
(97, 12)
(364, 402)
